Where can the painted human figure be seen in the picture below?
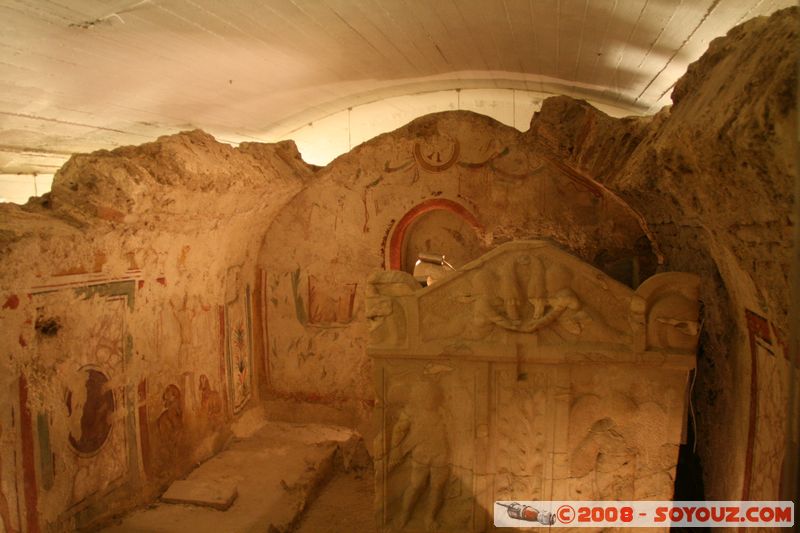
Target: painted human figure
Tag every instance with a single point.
(170, 421)
(210, 400)
(421, 436)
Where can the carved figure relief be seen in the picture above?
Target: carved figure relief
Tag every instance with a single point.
(386, 318)
(624, 432)
(672, 322)
(424, 463)
(546, 380)
(602, 462)
(672, 309)
(521, 294)
(548, 295)
(420, 438)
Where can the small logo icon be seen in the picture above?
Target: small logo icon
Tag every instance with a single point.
(565, 514)
(528, 514)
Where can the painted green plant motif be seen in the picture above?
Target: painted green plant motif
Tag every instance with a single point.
(238, 338)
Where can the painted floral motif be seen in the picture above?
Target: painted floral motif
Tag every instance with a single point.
(239, 350)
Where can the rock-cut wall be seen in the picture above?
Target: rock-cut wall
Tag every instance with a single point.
(130, 323)
(713, 177)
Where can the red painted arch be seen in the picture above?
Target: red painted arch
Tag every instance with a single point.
(434, 204)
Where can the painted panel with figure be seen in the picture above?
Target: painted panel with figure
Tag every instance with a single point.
(83, 409)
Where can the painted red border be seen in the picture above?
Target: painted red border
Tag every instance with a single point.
(28, 459)
(265, 326)
(757, 326)
(144, 428)
(401, 228)
(223, 374)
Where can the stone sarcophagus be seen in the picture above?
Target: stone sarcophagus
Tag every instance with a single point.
(526, 375)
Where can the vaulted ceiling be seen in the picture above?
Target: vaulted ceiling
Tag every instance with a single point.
(81, 75)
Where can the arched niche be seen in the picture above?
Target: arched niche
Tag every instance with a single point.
(437, 226)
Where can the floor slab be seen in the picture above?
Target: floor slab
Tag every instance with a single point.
(276, 472)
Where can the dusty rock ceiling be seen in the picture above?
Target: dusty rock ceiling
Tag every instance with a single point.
(89, 74)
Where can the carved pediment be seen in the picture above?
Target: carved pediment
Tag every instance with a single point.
(533, 296)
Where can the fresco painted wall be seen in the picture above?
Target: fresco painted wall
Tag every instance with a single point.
(127, 324)
(456, 183)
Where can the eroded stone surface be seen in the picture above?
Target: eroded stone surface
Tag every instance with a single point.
(713, 176)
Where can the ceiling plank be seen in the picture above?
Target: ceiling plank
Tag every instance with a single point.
(79, 74)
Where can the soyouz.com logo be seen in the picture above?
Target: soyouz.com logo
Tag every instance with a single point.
(643, 514)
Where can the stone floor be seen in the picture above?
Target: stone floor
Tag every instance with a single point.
(345, 505)
(277, 472)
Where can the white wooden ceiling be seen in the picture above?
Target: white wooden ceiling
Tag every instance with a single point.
(80, 75)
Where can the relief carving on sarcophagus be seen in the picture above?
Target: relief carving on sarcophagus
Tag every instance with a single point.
(385, 315)
(426, 454)
(525, 375)
(516, 291)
